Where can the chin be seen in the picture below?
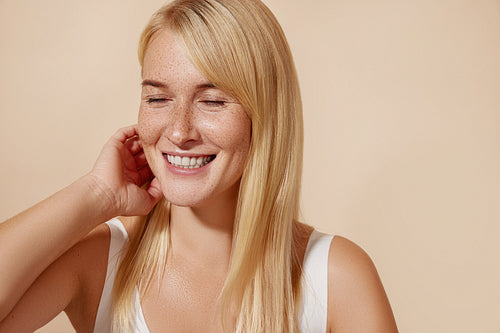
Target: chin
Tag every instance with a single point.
(183, 203)
(184, 199)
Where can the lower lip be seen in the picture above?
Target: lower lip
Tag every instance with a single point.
(186, 171)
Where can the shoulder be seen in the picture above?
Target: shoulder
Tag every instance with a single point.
(89, 263)
(89, 252)
(94, 248)
(357, 301)
(88, 259)
(347, 258)
(91, 258)
(72, 283)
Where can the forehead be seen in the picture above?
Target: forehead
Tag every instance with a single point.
(166, 59)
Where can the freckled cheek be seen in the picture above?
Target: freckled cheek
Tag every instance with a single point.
(148, 127)
(149, 132)
(232, 133)
(243, 138)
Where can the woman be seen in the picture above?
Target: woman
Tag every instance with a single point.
(212, 173)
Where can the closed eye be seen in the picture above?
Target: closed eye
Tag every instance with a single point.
(214, 103)
(156, 100)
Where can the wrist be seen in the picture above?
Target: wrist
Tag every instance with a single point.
(100, 198)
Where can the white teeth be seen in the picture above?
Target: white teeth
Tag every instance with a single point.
(189, 162)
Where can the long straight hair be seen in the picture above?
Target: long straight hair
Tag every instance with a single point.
(240, 47)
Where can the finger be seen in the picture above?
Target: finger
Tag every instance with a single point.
(145, 175)
(123, 134)
(128, 160)
(150, 198)
(133, 164)
(154, 190)
(133, 145)
(140, 160)
(143, 202)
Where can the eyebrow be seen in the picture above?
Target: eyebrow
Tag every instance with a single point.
(153, 83)
(159, 84)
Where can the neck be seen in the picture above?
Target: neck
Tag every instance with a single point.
(205, 231)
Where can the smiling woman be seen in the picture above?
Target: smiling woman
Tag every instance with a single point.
(184, 118)
(206, 187)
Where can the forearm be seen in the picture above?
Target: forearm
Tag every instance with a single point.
(32, 240)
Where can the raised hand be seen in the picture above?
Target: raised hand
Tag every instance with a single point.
(35, 238)
(120, 173)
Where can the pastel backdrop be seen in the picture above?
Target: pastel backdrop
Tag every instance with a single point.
(402, 123)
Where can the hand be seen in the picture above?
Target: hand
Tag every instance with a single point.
(120, 171)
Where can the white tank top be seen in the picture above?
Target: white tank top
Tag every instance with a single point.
(312, 316)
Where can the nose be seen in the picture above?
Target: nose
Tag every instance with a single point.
(182, 130)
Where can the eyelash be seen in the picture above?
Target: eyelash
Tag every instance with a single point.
(155, 100)
(214, 103)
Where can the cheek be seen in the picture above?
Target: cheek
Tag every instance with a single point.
(148, 128)
(234, 133)
(242, 133)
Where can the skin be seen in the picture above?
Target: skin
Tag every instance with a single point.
(182, 113)
(66, 271)
(188, 116)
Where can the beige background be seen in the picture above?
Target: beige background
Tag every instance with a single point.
(402, 122)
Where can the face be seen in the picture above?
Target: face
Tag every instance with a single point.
(196, 137)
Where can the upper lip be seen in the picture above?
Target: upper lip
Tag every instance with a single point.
(186, 154)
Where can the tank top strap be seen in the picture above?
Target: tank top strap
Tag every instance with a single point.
(118, 241)
(313, 314)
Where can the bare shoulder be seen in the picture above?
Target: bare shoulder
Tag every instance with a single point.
(357, 301)
(72, 283)
(90, 249)
(347, 258)
(89, 258)
(89, 254)
(93, 249)
(98, 236)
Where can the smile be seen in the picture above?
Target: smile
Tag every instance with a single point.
(189, 162)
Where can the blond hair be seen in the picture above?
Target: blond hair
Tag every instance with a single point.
(240, 47)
